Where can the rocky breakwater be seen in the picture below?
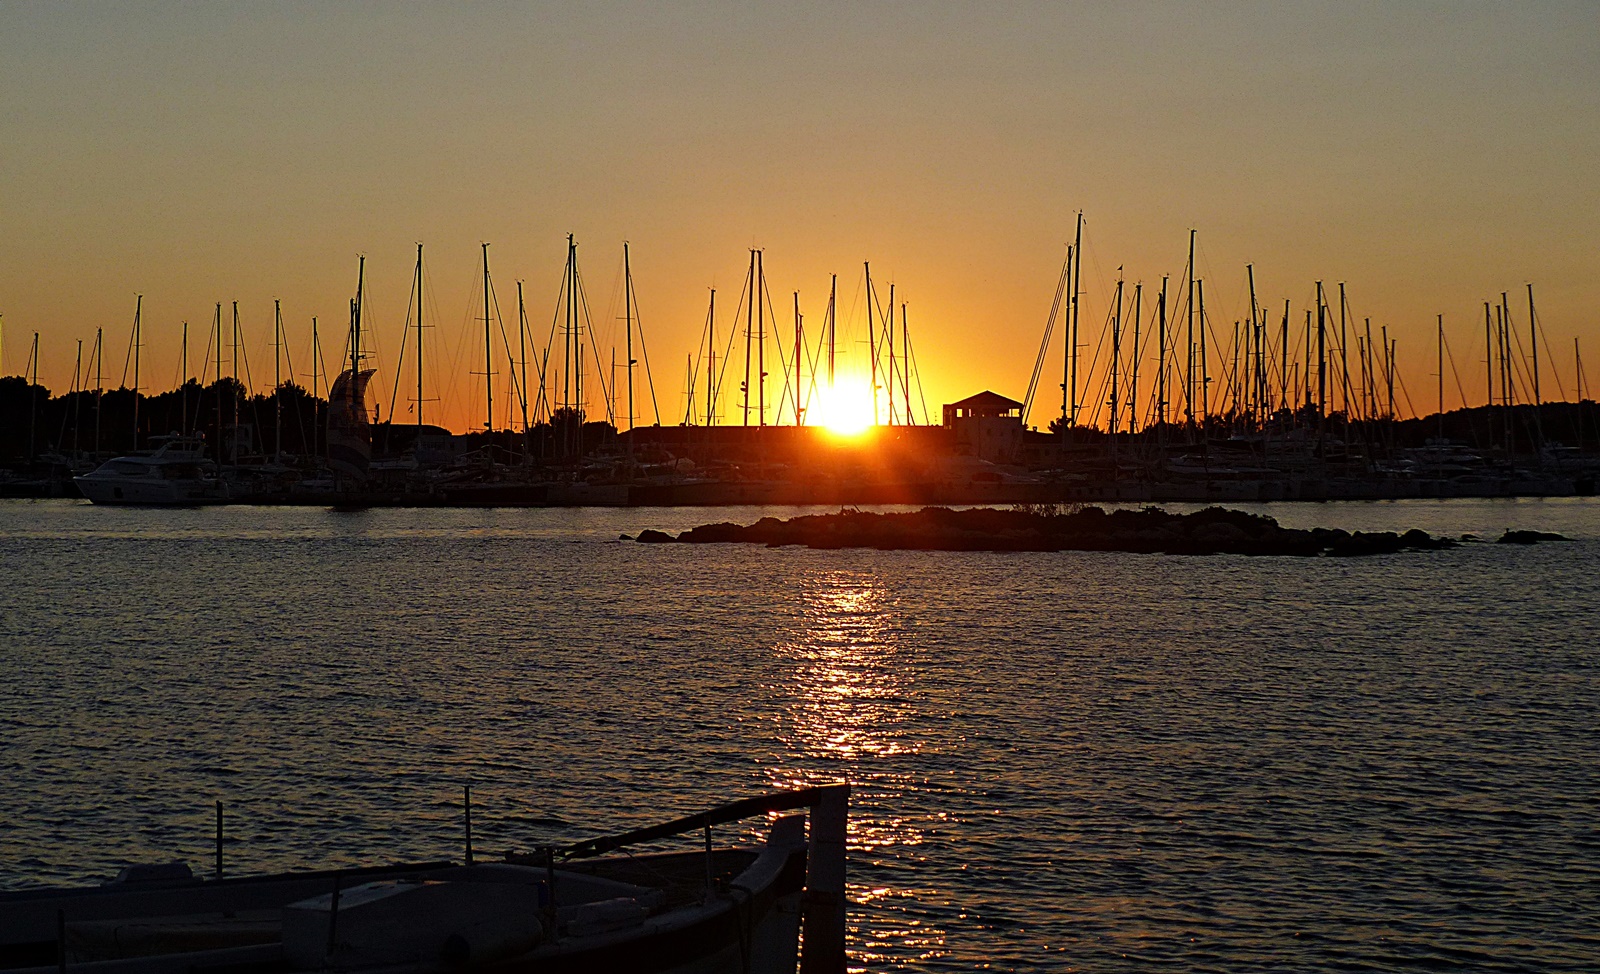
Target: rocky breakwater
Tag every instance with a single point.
(1213, 531)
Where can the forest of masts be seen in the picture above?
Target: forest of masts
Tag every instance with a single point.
(1268, 369)
(1271, 368)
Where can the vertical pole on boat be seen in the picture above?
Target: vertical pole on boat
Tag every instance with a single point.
(872, 339)
(77, 395)
(890, 333)
(711, 885)
(1533, 336)
(1441, 380)
(1255, 338)
(550, 888)
(219, 839)
(466, 806)
(627, 301)
(833, 310)
(759, 296)
(233, 366)
(216, 386)
(1322, 356)
(1066, 350)
(1133, 390)
(99, 384)
(1344, 359)
(139, 304)
(1205, 372)
(905, 362)
(824, 902)
(711, 364)
(61, 940)
(1283, 357)
(522, 350)
(488, 351)
(799, 339)
(183, 388)
(1077, 287)
(33, 394)
(316, 419)
(277, 381)
(419, 342)
(749, 334)
(1188, 370)
(333, 916)
(1161, 357)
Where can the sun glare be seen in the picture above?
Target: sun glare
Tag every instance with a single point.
(844, 408)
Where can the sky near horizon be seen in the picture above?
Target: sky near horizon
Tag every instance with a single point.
(1428, 155)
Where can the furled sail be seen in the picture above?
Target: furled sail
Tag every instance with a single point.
(349, 430)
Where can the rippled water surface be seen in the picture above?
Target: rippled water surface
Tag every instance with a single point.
(1071, 761)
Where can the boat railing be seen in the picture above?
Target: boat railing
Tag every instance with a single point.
(823, 903)
(776, 801)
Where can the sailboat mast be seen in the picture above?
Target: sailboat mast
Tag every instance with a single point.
(1441, 376)
(138, 303)
(99, 383)
(761, 340)
(1344, 361)
(33, 397)
(522, 350)
(238, 387)
(419, 344)
(711, 363)
(833, 319)
(1578, 365)
(77, 395)
(1161, 357)
(890, 334)
(872, 341)
(1388, 371)
(1116, 361)
(1370, 379)
(749, 333)
(488, 350)
(1533, 337)
(1133, 389)
(217, 381)
(1205, 371)
(1077, 286)
(1509, 385)
(277, 380)
(183, 388)
(1283, 357)
(627, 301)
(1255, 340)
(799, 414)
(1488, 369)
(905, 361)
(316, 408)
(1066, 349)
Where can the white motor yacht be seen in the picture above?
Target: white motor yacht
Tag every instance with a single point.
(175, 472)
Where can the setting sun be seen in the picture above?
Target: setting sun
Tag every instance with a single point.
(845, 407)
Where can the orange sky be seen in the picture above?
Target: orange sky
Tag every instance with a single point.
(1430, 156)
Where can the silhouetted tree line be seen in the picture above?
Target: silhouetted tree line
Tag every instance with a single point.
(33, 422)
(1520, 429)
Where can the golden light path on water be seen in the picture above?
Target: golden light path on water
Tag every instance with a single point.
(851, 705)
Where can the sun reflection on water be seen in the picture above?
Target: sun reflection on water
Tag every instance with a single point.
(851, 713)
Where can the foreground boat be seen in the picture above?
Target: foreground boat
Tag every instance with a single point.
(568, 908)
(175, 473)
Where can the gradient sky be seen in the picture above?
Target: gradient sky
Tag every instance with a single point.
(1428, 155)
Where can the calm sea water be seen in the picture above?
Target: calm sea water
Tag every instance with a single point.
(1073, 761)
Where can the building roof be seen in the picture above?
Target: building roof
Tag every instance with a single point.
(987, 400)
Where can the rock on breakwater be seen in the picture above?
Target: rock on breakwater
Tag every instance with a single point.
(1214, 530)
